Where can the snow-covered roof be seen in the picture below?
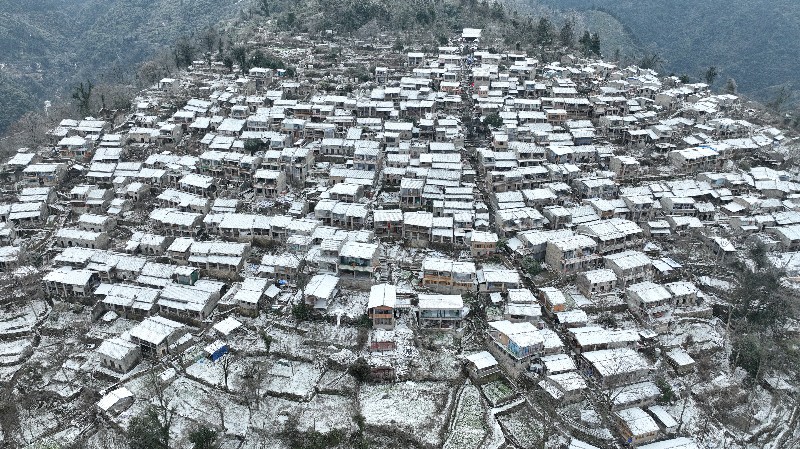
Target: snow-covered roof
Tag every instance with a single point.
(382, 295)
(482, 360)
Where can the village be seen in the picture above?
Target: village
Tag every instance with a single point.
(462, 248)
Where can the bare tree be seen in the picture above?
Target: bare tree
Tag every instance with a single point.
(163, 403)
(252, 377)
(225, 362)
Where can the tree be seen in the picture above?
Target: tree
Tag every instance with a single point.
(158, 417)
(731, 87)
(146, 431)
(594, 44)
(301, 311)
(650, 61)
(225, 362)
(264, 7)
(203, 438)
(183, 52)
(493, 120)
(585, 43)
(544, 32)
(749, 354)
(531, 266)
(667, 394)
(780, 100)
(711, 75)
(251, 146)
(252, 376)
(227, 61)
(208, 39)
(83, 95)
(567, 34)
(267, 339)
(239, 54)
(360, 370)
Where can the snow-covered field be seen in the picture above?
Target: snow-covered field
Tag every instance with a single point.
(416, 408)
(468, 428)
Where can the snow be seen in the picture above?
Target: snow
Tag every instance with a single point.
(467, 430)
(417, 408)
(292, 378)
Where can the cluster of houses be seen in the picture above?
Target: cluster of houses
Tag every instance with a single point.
(170, 217)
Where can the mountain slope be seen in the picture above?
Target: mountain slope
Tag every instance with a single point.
(48, 45)
(756, 42)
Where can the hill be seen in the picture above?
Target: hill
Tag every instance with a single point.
(756, 42)
(46, 46)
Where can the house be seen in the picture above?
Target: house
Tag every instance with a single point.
(520, 342)
(148, 244)
(680, 361)
(518, 311)
(614, 367)
(158, 336)
(447, 276)
(68, 282)
(553, 300)
(651, 302)
(629, 267)
(636, 426)
(640, 394)
(388, 222)
(223, 257)
(481, 366)
(126, 300)
(190, 303)
(9, 257)
(684, 293)
(96, 223)
(118, 354)
(280, 267)
(570, 319)
(43, 174)
(483, 243)
(440, 311)
(248, 298)
(567, 255)
(269, 183)
(596, 282)
(320, 290)
(497, 280)
(593, 338)
(554, 364)
(564, 387)
(675, 443)
(624, 167)
(381, 306)
(116, 401)
(68, 237)
(176, 223)
(788, 236)
(357, 262)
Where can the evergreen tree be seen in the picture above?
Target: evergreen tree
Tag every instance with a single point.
(711, 75)
(544, 32)
(585, 43)
(567, 35)
(595, 44)
(203, 438)
(731, 87)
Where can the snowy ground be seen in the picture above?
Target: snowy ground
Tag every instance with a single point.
(468, 428)
(416, 408)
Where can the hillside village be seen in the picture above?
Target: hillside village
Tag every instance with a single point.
(469, 249)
